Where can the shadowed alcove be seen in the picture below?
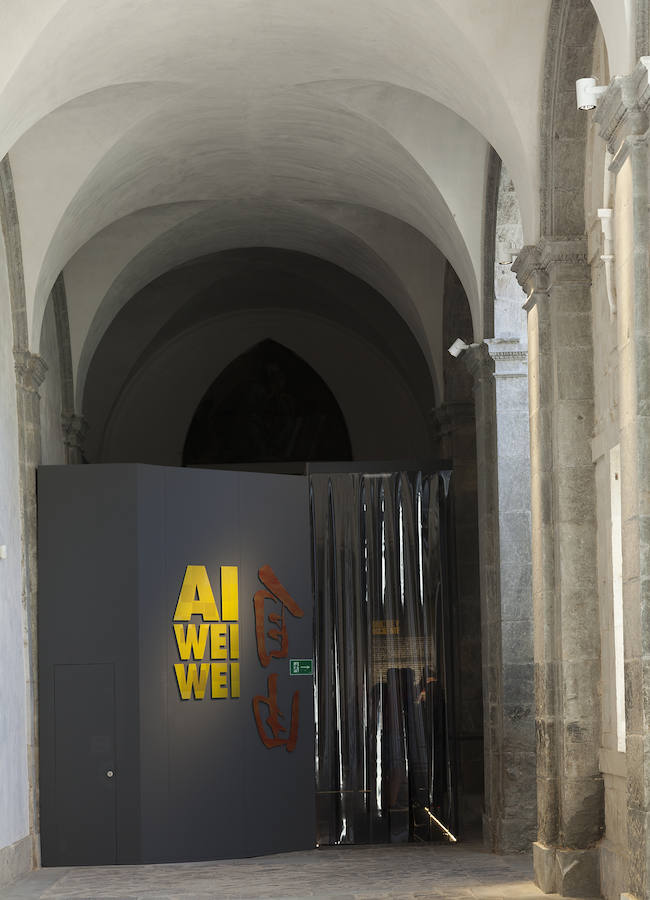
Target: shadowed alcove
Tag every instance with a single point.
(268, 405)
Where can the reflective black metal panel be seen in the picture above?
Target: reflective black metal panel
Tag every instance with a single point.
(383, 764)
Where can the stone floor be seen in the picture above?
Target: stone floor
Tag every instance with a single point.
(345, 873)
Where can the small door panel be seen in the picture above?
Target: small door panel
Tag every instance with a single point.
(85, 774)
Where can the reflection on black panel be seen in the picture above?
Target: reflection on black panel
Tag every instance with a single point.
(383, 766)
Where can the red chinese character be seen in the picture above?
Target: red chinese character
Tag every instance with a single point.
(274, 716)
(274, 591)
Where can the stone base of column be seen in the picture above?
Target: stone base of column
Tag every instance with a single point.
(508, 834)
(16, 860)
(517, 834)
(570, 873)
(544, 866)
(493, 833)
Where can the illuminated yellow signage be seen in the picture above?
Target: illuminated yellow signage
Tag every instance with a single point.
(385, 626)
(215, 636)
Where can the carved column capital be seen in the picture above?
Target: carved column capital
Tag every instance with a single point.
(623, 112)
(531, 274)
(30, 370)
(563, 250)
(553, 260)
(510, 357)
(74, 429)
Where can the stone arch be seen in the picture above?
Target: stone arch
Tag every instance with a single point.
(11, 234)
(489, 239)
(502, 240)
(571, 35)
(249, 294)
(62, 430)
(509, 315)
(267, 406)
(30, 371)
(642, 33)
(384, 417)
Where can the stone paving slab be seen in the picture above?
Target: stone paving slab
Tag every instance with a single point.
(376, 872)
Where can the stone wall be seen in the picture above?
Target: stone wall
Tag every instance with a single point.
(623, 117)
(599, 191)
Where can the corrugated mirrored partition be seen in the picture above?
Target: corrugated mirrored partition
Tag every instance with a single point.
(384, 770)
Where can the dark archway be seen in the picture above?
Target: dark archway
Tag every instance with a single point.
(267, 406)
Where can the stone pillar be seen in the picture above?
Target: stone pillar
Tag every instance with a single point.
(455, 429)
(623, 115)
(74, 431)
(556, 278)
(515, 594)
(481, 367)
(30, 372)
(501, 397)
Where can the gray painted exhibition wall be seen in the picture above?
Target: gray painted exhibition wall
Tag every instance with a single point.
(192, 778)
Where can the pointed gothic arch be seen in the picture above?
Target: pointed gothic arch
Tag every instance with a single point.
(267, 406)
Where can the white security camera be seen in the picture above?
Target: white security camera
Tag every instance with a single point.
(458, 347)
(588, 93)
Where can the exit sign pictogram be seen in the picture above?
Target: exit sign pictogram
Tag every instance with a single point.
(301, 666)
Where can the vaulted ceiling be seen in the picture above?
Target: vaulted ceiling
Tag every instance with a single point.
(144, 135)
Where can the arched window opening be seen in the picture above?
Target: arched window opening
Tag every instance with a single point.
(268, 406)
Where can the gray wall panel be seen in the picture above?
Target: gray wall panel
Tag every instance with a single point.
(88, 595)
(193, 778)
(280, 784)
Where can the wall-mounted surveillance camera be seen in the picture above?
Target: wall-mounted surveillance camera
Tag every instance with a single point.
(457, 347)
(588, 93)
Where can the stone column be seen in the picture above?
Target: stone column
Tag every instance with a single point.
(556, 278)
(481, 367)
(74, 427)
(455, 429)
(501, 396)
(74, 430)
(623, 115)
(30, 373)
(515, 594)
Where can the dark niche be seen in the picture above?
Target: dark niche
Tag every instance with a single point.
(267, 406)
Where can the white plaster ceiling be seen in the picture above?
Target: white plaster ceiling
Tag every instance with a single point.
(390, 256)
(616, 19)
(144, 134)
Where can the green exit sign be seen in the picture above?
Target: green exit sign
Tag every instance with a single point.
(301, 666)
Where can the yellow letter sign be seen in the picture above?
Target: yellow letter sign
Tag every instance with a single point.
(196, 582)
(219, 640)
